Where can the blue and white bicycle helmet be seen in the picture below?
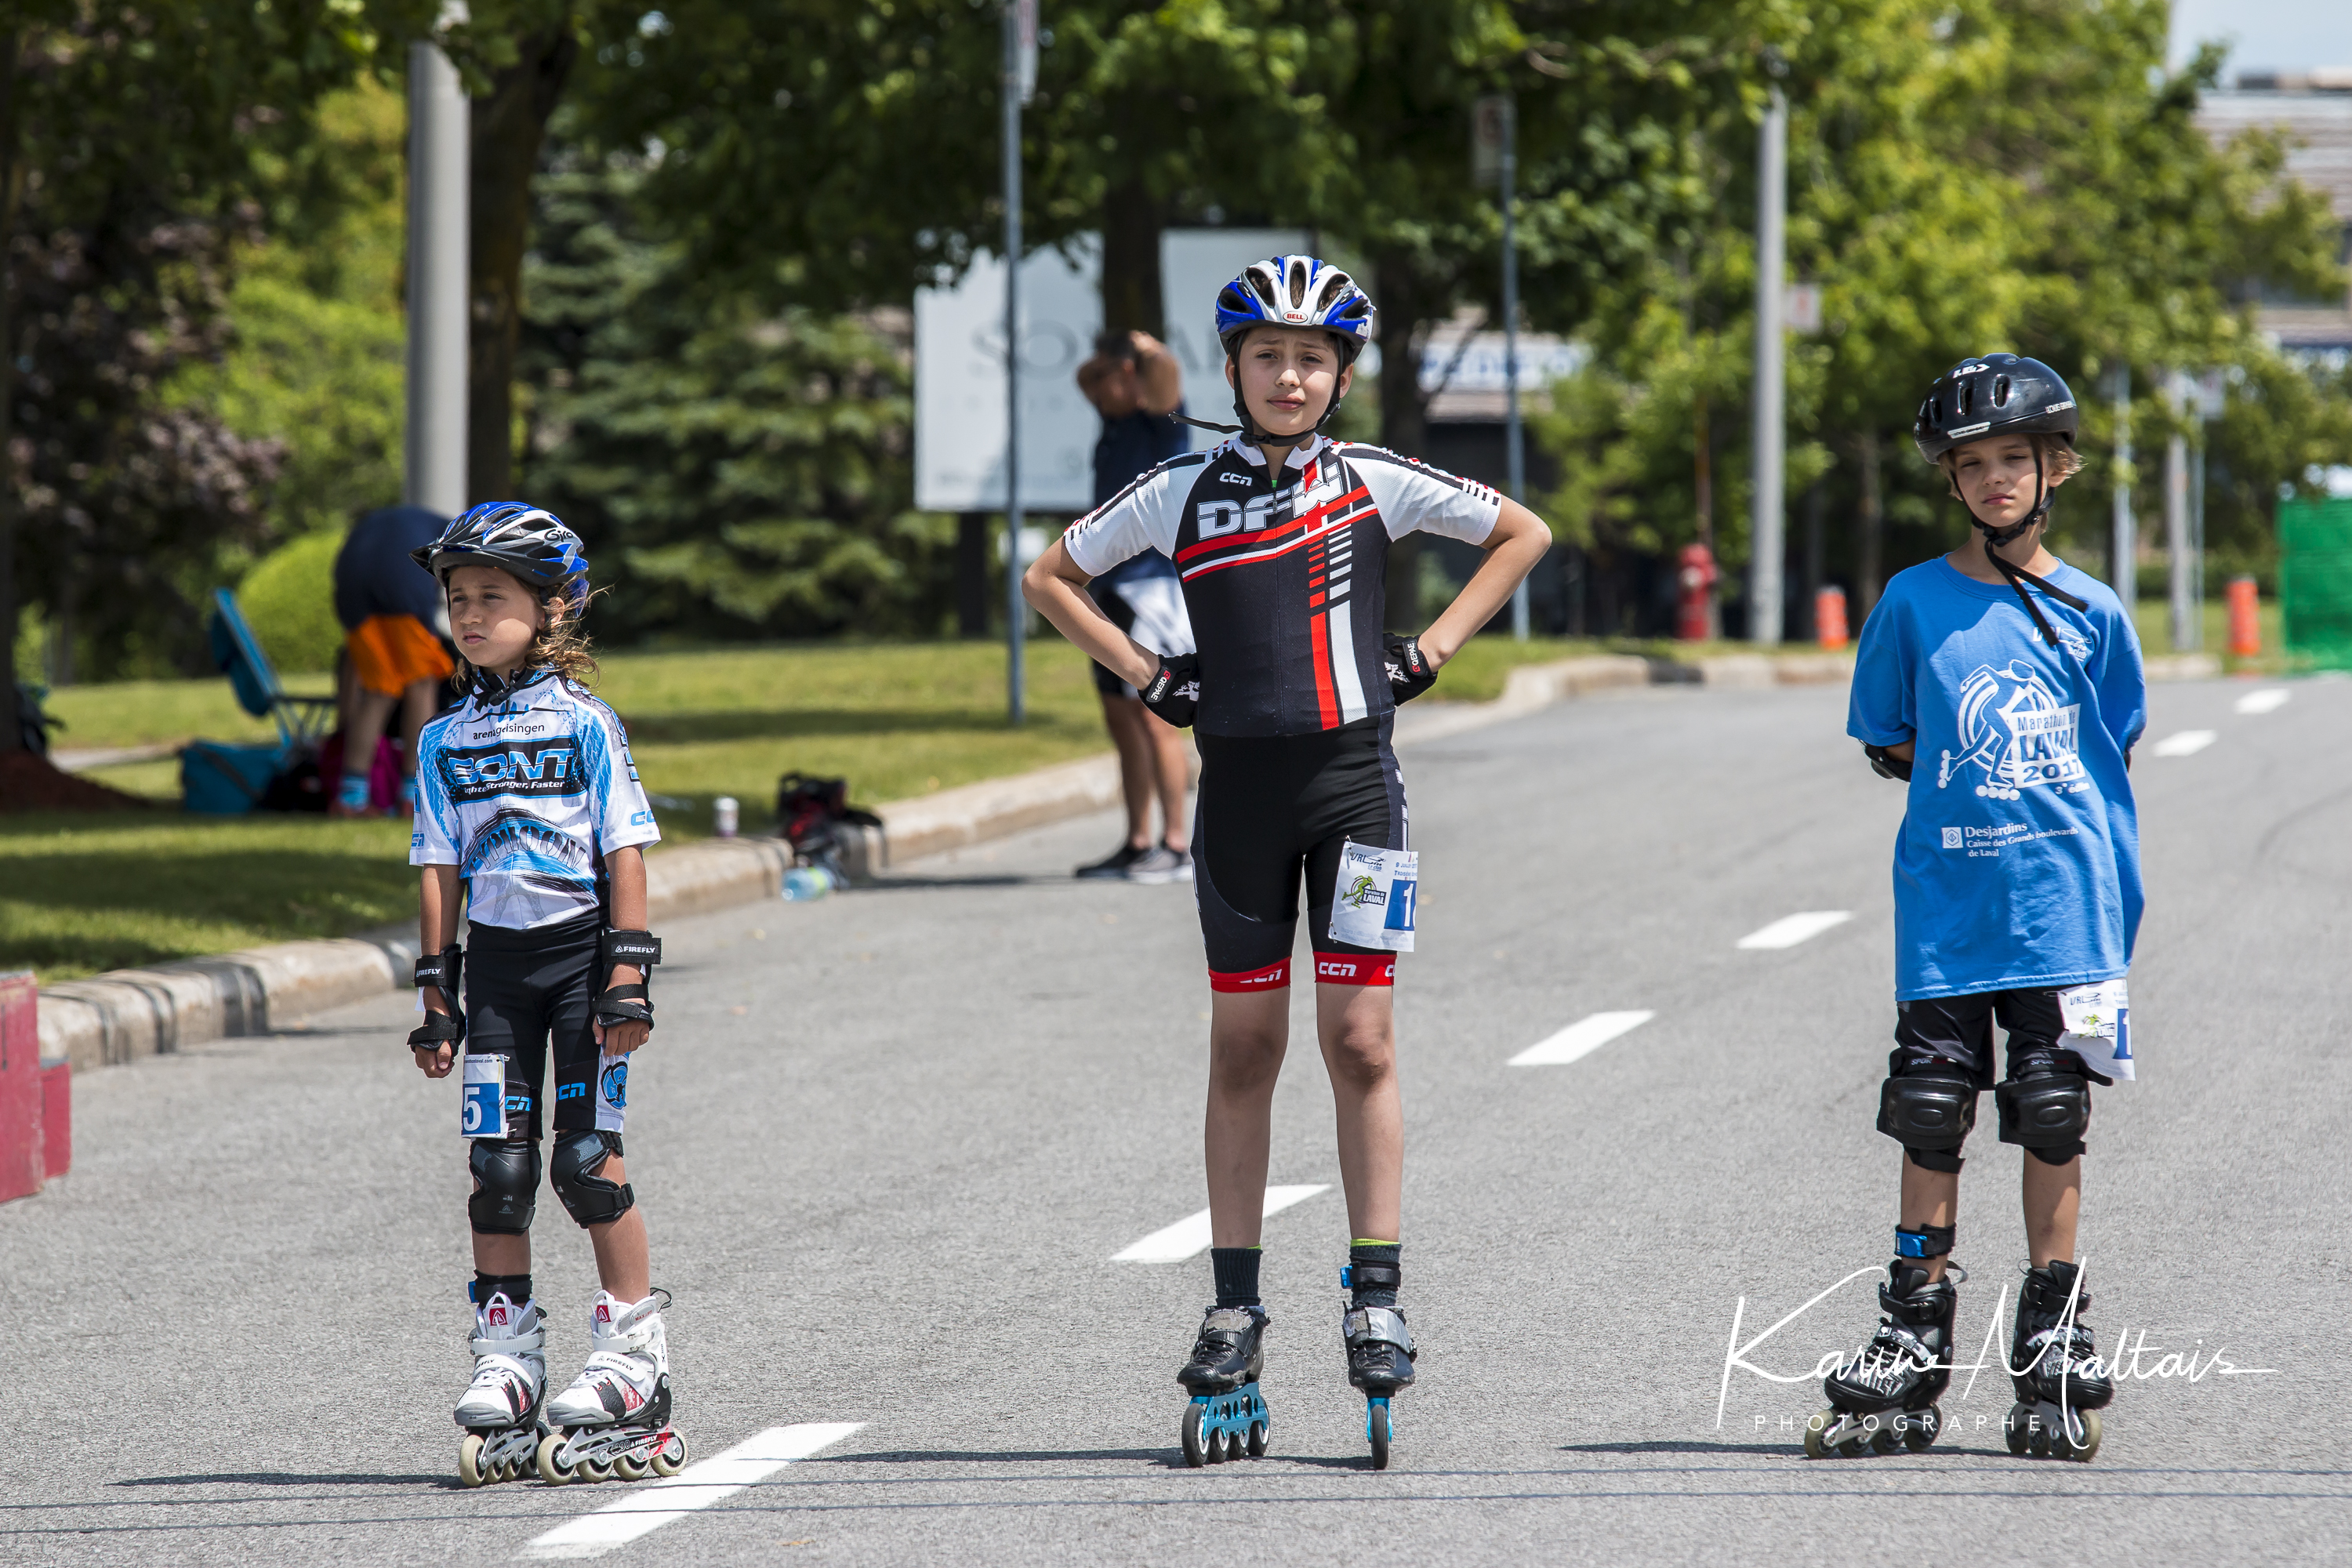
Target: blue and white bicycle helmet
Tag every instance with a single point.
(1294, 291)
(530, 542)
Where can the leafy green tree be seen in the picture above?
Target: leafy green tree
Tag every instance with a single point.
(751, 470)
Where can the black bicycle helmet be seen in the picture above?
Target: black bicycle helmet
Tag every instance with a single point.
(528, 541)
(2002, 395)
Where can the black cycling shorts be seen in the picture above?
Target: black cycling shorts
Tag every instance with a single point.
(1271, 809)
(526, 990)
(1122, 615)
(1957, 1030)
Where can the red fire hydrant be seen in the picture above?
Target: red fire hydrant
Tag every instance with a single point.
(1697, 576)
(2245, 618)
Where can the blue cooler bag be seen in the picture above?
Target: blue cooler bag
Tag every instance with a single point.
(220, 779)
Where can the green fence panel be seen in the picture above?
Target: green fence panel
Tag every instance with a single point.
(2315, 579)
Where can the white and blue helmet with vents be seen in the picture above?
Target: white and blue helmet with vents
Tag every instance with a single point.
(530, 542)
(1296, 291)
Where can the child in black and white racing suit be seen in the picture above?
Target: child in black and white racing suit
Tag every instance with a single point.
(528, 801)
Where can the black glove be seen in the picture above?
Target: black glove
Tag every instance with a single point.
(1886, 764)
(437, 1030)
(1410, 673)
(1174, 693)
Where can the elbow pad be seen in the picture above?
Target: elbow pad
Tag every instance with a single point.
(1885, 764)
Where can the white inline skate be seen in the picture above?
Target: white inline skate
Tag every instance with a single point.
(500, 1410)
(614, 1418)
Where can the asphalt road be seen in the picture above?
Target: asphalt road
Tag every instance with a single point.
(887, 1145)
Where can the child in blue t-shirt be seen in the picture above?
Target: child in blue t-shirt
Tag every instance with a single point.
(2005, 688)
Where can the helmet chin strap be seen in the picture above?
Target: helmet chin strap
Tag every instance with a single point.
(1249, 431)
(2018, 576)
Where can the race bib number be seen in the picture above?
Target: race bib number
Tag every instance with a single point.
(2098, 1026)
(612, 1091)
(1373, 904)
(483, 1113)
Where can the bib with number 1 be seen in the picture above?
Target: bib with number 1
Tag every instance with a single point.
(484, 1111)
(1375, 903)
(2098, 1026)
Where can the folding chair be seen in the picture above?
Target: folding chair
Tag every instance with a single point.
(301, 721)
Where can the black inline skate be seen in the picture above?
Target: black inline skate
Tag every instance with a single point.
(1227, 1418)
(1379, 1351)
(1884, 1398)
(2062, 1384)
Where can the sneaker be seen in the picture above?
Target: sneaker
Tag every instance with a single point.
(1161, 864)
(1114, 864)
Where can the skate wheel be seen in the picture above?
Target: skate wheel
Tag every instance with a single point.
(2066, 1447)
(1923, 1428)
(1884, 1439)
(1257, 1436)
(1376, 1431)
(469, 1462)
(629, 1468)
(670, 1457)
(551, 1468)
(596, 1469)
(2018, 1429)
(1815, 1425)
(1195, 1436)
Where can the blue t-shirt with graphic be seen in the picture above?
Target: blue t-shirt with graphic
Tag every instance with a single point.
(2018, 862)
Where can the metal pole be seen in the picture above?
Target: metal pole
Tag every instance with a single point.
(1016, 612)
(2197, 535)
(2124, 550)
(434, 450)
(1768, 507)
(1515, 438)
(2176, 541)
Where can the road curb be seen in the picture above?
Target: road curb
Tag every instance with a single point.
(126, 1014)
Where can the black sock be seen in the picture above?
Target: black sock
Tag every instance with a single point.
(1378, 1261)
(485, 1286)
(1235, 1268)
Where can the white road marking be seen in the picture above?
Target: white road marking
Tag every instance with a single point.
(2269, 699)
(1580, 1038)
(1790, 929)
(2187, 744)
(1189, 1236)
(646, 1508)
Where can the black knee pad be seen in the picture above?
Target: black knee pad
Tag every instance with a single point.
(506, 1173)
(2046, 1113)
(577, 1173)
(1930, 1114)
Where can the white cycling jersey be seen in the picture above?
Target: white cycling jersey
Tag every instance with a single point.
(526, 796)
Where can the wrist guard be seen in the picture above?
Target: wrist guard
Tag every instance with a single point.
(437, 1030)
(1885, 764)
(440, 970)
(1174, 693)
(1410, 674)
(627, 1004)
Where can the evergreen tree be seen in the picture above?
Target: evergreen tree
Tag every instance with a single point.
(749, 473)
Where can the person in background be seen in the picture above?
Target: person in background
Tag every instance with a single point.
(1135, 383)
(395, 646)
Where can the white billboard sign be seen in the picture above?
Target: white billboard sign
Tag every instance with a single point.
(1194, 263)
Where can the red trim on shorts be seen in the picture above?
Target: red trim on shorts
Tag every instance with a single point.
(1272, 977)
(1355, 969)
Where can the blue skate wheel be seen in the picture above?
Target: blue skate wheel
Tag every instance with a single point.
(1377, 1432)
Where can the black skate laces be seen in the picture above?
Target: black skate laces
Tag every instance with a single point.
(2018, 576)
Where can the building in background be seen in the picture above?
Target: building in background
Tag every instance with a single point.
(2314, 108)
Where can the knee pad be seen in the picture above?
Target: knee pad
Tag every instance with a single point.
(1930, 1114)
(2045, 1112)
(577, 1172)
(506, 1192)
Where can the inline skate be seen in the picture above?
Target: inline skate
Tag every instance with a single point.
(1379, 1349)
(2062, 1384)
(615, 1419)
(1227, 1418)
(1885, 1397)
(500, 1409)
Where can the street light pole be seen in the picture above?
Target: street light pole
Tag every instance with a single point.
(1020, 79)
(2123, 552)
(1768, 507)
(1514, 439)
(434, 450)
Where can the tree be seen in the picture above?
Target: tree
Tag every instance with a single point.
(752, 469)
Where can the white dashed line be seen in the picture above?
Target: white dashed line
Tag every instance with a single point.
(2269, 699)
(2187, 744)
(1580, 1038)
(1790, 929)
(1189, 1236)
(643, 1509)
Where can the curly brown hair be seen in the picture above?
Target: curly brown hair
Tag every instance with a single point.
(560, 645)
